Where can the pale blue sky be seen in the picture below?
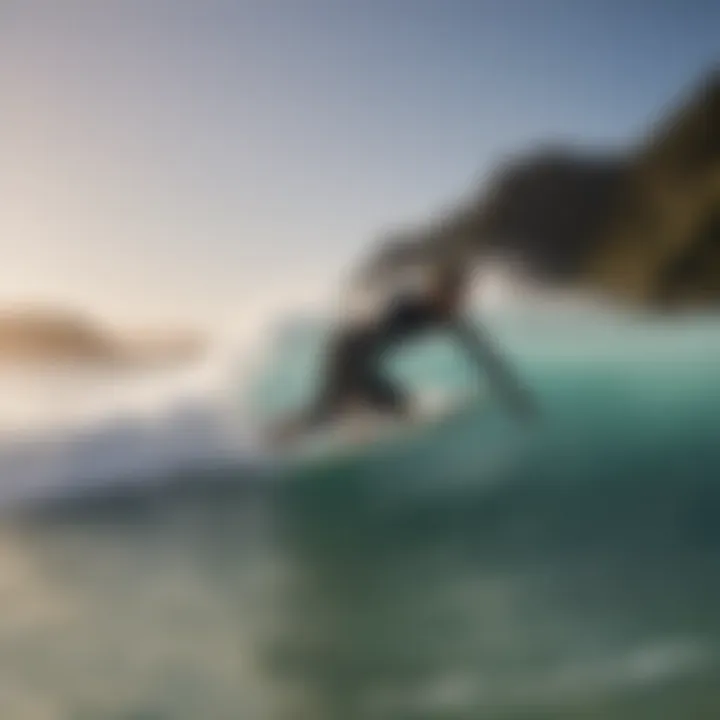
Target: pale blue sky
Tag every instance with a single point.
(168, 159)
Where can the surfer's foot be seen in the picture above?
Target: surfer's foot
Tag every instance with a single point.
(282, 433)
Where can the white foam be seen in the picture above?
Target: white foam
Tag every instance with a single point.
(563, 683)
(66, 432)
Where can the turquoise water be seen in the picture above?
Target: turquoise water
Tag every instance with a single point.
(477, 571)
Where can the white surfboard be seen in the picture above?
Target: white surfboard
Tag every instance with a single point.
(362, 431)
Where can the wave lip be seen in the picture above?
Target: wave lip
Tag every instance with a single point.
(83, 432)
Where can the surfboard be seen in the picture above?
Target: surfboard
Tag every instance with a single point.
(362, 432)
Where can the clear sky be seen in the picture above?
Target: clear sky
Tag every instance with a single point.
(173, 159)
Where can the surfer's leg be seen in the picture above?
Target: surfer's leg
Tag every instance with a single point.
(302, 422)
(346, 382)
(335, 395)
(384, 395)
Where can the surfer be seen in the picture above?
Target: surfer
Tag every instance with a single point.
(354, 377)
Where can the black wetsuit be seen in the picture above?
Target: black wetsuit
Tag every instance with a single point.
(354, 371)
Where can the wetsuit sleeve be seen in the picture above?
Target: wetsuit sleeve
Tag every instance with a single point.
(409, 316)
(500, 373)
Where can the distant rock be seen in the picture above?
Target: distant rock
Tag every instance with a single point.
(164, 346)
(47, 336)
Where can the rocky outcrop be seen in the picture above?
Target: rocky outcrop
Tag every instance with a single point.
(45, 336)
(643, 226)
(661, 246)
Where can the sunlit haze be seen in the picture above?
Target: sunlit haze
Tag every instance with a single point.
(207, 162)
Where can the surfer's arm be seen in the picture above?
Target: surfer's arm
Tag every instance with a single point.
(501, 375)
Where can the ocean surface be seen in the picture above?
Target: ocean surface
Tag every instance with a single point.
(157, 564)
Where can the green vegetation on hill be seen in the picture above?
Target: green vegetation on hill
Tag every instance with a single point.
(642, 226)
